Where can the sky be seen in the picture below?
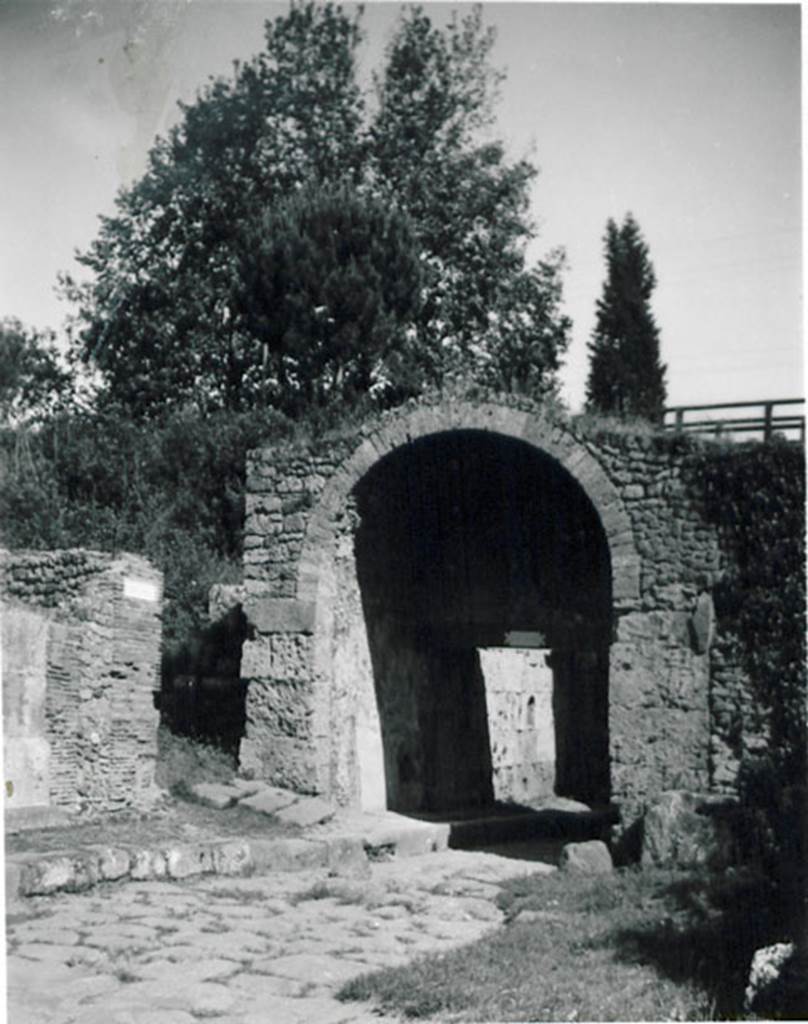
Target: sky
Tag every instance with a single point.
(687, 115)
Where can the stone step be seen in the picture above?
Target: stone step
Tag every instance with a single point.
(530, 824)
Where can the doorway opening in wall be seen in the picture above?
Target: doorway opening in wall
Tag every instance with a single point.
(485, 584)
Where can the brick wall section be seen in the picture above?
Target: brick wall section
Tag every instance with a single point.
(672, 722)
(100, 617)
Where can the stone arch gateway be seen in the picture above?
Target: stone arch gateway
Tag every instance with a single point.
(406, 586)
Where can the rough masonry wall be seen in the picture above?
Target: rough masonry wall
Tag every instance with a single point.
(81, 649)
(658, 681)
(665, 720)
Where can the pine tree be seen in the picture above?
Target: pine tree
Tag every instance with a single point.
(626, 376)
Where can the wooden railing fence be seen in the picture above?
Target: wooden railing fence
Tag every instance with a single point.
(772, 419)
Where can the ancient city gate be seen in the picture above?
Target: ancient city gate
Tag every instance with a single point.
(465, 601)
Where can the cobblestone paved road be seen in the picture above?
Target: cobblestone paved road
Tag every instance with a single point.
(273, 948)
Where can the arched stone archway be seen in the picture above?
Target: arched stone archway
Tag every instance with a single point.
(316, 707)
(532, 428)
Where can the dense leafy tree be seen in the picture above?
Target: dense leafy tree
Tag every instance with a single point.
(626, 376)
(155, 315)
(33, 381)
(166, 313)
(326, 283)
(172, 491)
(485, 313)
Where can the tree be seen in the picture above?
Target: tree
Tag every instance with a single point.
(485, 314)
(32, 380)
(626, 376)
(169, 311)
(326, 283)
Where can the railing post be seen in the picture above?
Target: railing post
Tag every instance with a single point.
(767, 421)
(680, 418)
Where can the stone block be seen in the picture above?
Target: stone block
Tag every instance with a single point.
(269, 800)
(346, 855)
(683, 829)
(232, 858)
(778, 983)
(287, 854)
(67, 873)
(308, 810)
(189, 859)
(112, 862)
(405, 838)
(589, 858)
(13, 880)
(280, 615)
(148, 864)
(246, 787)
(217, 795)
(702, 624)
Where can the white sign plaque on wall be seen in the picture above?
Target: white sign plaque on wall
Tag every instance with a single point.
(141, 590)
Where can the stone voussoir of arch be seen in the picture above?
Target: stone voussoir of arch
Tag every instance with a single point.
(532, 426)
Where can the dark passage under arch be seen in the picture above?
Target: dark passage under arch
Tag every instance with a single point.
(472, 545)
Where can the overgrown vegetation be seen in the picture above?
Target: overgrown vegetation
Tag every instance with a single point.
(756, 496)
(635, 945)
(172, 491)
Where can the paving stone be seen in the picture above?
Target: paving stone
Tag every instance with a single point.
(105, 1014)
(260, 981)
(39, 932)
(269, 800)
(124, 931)
(216, 794)
(29, 975)
(301, 1011)
(227, 945)
(52, 1012)
(163, 1017)
(247, 787)
(205, 997)
(181, 953)
(47, 951)
(317, 969)
(201, 970)
(308, 810)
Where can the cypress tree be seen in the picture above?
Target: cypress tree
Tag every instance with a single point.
(626, 376)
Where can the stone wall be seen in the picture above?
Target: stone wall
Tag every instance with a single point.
(660, 716)
(81, 647)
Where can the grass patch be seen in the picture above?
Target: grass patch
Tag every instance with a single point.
(637, 945)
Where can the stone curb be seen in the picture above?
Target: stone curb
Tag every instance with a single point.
(42, 874)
